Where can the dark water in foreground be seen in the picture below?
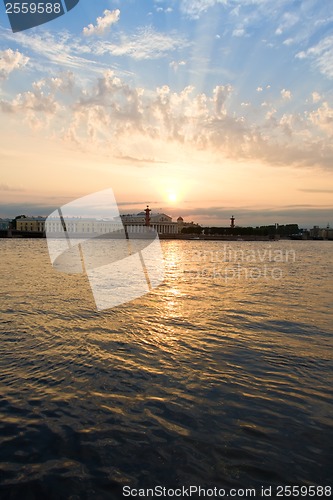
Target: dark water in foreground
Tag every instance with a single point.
(216, 378)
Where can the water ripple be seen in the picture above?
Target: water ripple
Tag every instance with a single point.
(196, 383)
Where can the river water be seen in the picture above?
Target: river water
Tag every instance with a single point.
(220, 377)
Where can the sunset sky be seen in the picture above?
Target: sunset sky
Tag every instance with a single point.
(201, 108)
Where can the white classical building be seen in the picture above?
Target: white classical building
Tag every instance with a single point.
(135, 223)
(162, 223)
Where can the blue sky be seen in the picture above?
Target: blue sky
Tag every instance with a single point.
(200, 107)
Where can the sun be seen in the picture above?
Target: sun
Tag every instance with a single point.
(172, 197)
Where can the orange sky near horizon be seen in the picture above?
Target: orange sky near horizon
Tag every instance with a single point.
(199, 109)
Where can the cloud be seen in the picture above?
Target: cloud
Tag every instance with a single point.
(200, 120)
(316, 97)
(288, 41)
(65, 50)
(193, 8)
(321, 55)
(129, 121)
(11, 210)
(11, 60)
(36, 107)
(323, 118)
(304, 215)
(6, 187)
(40, 105)
(64, 82)
(286, 94)
(301, 55)
(103, 23)
(238, 32)
(176, 64)
(146, 43)
(62, 49)
(220, 96)
(313, 190)
(288, 20)
(322, 22)
(168, 10)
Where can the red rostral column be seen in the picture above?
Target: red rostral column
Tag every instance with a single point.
(232, 218)
(147, 210)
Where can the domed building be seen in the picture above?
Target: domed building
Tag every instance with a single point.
(180, 222)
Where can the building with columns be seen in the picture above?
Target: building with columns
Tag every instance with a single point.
(162, 223)
(134, 223)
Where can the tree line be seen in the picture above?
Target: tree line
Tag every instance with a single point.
(271, 230)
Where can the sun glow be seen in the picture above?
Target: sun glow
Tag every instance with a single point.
(171, 189)
(172, 197)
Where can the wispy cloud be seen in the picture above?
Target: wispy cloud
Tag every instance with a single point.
(6, 187)
(146, 43)
(176, 64)
(193, 8)
(321, 56)
(306, 215)
(288, 20)
(288, 41)
(313, 190)
(67, 51)
(238, 32)
(61, 49)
